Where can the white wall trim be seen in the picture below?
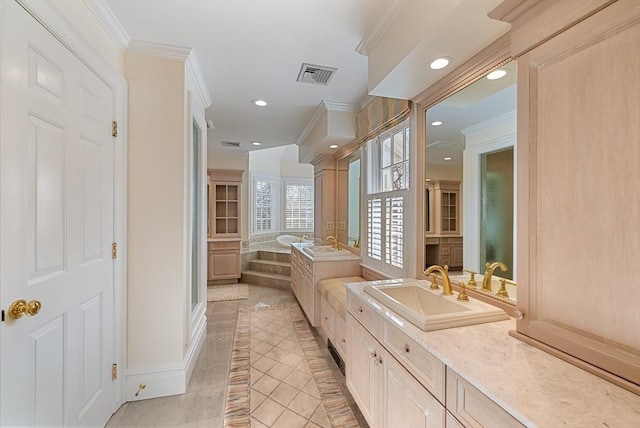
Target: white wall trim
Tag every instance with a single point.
(373, 37)
(169, 380)
(140, 47)
(107, 18)
(193, 67)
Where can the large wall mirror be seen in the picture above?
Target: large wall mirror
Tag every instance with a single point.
(469, 188)
(348, 198)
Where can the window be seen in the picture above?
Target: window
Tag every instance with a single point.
(387, 184)
(281, 203)
(298, 210)
(263, 204)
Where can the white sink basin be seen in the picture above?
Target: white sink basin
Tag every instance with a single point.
(324, 251)
(429, 309)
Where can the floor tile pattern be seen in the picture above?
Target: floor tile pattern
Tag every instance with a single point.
(203, 404)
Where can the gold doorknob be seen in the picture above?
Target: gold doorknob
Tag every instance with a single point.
(33, 307)
(20, 307)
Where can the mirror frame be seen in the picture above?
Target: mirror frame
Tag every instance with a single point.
(492, 57)
(342, 157)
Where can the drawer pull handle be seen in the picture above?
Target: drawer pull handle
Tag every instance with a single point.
(359, 309)
(343, 340)
(326, 318)
(374, 354)
(406, 348)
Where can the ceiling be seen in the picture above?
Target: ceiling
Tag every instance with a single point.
(254, 49)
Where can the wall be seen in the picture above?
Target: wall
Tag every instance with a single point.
(155, 211)
(443, 172)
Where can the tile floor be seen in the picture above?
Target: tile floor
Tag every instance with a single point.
(204, 402)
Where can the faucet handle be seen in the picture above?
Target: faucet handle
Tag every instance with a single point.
(434, 284)
(463, 297)
(503, 289)
(446, 268)
(472, 280)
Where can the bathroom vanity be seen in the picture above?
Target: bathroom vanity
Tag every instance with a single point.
(313, 263)
(472, 376)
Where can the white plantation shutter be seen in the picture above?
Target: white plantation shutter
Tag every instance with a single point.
(298, 206)
(263, 205)
(385, 229)
(394, 233)
(374, 228)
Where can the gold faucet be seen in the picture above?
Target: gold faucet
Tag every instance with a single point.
(303, 238)
(446, 285)
(336, 243)
(472, 281)
(486, 281)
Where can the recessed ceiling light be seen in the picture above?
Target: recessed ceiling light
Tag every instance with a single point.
(256, 143)
(333, 146)
(436, 123)
(440, 63)
(259, 103)
(448, 158)
(497, 74)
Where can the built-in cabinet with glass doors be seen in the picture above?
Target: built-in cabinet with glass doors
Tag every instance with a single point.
(224, 224)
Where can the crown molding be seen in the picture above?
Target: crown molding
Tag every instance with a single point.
(342, 107)
(107, 18)
(178, 53)
(139, 47)
(193, 67)
(373, 37)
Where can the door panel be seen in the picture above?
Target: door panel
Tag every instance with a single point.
(56, 223)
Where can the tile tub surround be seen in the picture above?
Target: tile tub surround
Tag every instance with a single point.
(535, 387)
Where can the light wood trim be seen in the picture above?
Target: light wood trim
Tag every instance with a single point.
(616, 380)
(535, 21)
(492, 57)
(556, 284)
(232, 175)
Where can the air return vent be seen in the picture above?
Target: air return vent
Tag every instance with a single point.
(316, 74)
(230, 144)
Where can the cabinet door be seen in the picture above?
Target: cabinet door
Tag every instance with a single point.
(364, 371)
(572, 223)
(406, 402)
(224, 264)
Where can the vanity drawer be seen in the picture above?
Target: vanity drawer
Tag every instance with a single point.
(224, 245)
(363, 313)
(432, 241)
(429, 370)
(472, 408)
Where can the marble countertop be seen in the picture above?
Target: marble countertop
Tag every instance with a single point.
(324, 258)
(535, 387)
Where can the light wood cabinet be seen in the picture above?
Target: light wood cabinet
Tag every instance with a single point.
(472, 408)
(578, 157)
(396, 382)
(307, 272)
(444, 251)
(442, 207)
(385, 392)
(405, 402)
(223, 224)
(364, 371)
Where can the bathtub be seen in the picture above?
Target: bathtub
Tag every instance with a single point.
(287, 240)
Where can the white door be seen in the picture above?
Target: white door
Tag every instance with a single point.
(56, 230)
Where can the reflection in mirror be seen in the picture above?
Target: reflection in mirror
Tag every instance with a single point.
(353, 204)
(470, 191)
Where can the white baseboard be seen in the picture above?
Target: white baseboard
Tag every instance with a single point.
(171, 380)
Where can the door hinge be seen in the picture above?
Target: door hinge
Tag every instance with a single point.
(3, 315)
(114, 371)
(114, 250)
(114, 128)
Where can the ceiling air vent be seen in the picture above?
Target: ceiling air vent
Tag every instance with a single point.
(316, 74)
(230, 144)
